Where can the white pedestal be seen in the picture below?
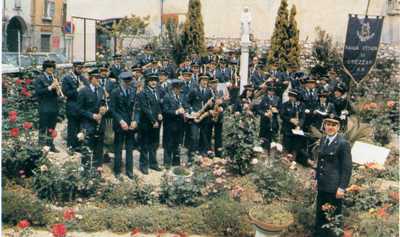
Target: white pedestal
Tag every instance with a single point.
(263, 233)
(244, 64)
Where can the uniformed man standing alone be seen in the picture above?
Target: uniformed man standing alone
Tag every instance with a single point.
(333, 174)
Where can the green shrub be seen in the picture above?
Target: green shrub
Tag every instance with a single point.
(128, 194)
(65, 183)
(240, 137)
(274, 181)
(226, 217)
(93, 220)
(19, 204)
(179, 192)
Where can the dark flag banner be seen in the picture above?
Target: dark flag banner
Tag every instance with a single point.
(362, 44)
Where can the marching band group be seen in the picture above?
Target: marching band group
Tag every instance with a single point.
(188, 103)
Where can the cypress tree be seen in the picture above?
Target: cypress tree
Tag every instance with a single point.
(193, 30)
(294, 50)
(278, 53)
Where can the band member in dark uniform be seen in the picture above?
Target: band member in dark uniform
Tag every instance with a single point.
(125, 122)
(342, 105)
(173, 123)
(323, 109)
(71, 83)
(333, 174)
(269, 112)
(117, 67)
(196, 101)
(47, 90)
(310, 98)
(216, 114)
(92, 107)
(149, 127)
(292, 114)
(246, 99)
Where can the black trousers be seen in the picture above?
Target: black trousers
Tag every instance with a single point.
(149, 140)
(72, 131)
(47, 120)
(204, 140)
(194, 139)
(216, 127)
(320, 220)
(96, 144)
(122, 138)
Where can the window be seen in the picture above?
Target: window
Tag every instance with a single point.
(45, 43)
(48, 9)
(17, 4)
(393, 7)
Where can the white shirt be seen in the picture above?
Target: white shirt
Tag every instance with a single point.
(331, 138)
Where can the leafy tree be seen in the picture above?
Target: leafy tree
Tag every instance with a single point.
(193, 30)
(280, 41)
(127, 27)
(293, 32)
(175, 41)
(325, 54)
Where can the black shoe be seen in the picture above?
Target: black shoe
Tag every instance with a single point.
(144, 171)
(117, 176)
(130, 176)
(53, 149)
(107, 158)
(156, 168)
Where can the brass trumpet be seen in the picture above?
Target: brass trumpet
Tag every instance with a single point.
(58, 86)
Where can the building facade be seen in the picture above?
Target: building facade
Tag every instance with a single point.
(222, 17)
(48, 19)
(39, 23)
(16, 23)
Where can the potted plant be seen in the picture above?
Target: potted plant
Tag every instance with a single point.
(270, 220)
(180, 173)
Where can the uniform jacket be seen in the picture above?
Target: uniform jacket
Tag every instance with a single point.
(123, 107)
(223, 75)
(289, 111)
(115, 70)
(266, 123)
(173, 123)
(48, 100)
(70, 86)
(89, 103)
(256, 79)
(149, 107)
(195, 100)
(334, 164)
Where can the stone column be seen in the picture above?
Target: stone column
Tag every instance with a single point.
(244, 64)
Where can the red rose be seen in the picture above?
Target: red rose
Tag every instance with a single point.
(27, 125)
(59, 230)
(135, 232)
(12, 113)
(53, 133)
(69, 214)
(18, 81)
(28, 81)
(23, 224)
(14, 132)
(12, 116)
(25, 92)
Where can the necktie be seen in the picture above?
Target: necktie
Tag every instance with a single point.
(328, 141)
(96, 91)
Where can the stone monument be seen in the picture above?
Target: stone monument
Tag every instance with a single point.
(245, 23)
